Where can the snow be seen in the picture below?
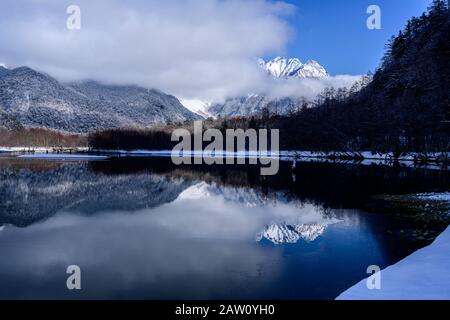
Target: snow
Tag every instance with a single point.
(435, 196)
(62, 156)
(196, 192)
(281, 67)
(279, 233)
(293, 68)
(424, 275)
(39, 149)
(24, 149)
(197, 106)
(365, 158)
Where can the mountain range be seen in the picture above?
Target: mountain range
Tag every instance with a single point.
(279, 68)
(30, 98)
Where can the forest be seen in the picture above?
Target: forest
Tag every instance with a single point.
(405, 107)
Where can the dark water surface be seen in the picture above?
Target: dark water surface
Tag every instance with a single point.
(142, 228)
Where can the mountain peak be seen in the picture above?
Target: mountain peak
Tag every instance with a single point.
(281, 67)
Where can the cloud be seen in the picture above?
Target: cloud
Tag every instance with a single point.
(192, 49)
(307, 88)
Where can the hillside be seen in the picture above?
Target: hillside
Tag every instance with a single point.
(35, 99)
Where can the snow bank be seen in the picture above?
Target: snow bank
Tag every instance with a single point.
(62, 156)
(435, 196)
(41, 149)
(424, 275)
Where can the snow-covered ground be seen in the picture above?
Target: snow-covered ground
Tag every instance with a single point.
(291, 155)
(363, 158)
(424, 275)
(445, 196)
(283, 155)
(62, 156)
(39, 149)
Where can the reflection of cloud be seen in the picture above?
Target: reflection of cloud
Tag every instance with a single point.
(121, 252)
(246, 212)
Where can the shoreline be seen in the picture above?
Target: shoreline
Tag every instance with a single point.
(437, 160)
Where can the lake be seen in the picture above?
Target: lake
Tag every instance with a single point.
(142, 228)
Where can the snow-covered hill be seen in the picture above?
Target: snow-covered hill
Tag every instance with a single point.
(254, 104)
(37, 100)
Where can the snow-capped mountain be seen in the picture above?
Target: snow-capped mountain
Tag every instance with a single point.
(279, 233)
(280, 68)
(36, 99)
(254, 104)
(293, 68)
(250, 104)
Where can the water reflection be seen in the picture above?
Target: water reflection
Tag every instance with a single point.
(155, 232)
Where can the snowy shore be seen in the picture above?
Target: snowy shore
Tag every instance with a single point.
(288, 155)
(42, 149)
(62, 156)
(424, 275)
(429, 161)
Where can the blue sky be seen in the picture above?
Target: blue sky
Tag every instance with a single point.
(334, 32)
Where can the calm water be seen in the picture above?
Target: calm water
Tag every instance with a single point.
(141, 228)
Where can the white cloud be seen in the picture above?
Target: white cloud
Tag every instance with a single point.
(205, 49)
(308, 88)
